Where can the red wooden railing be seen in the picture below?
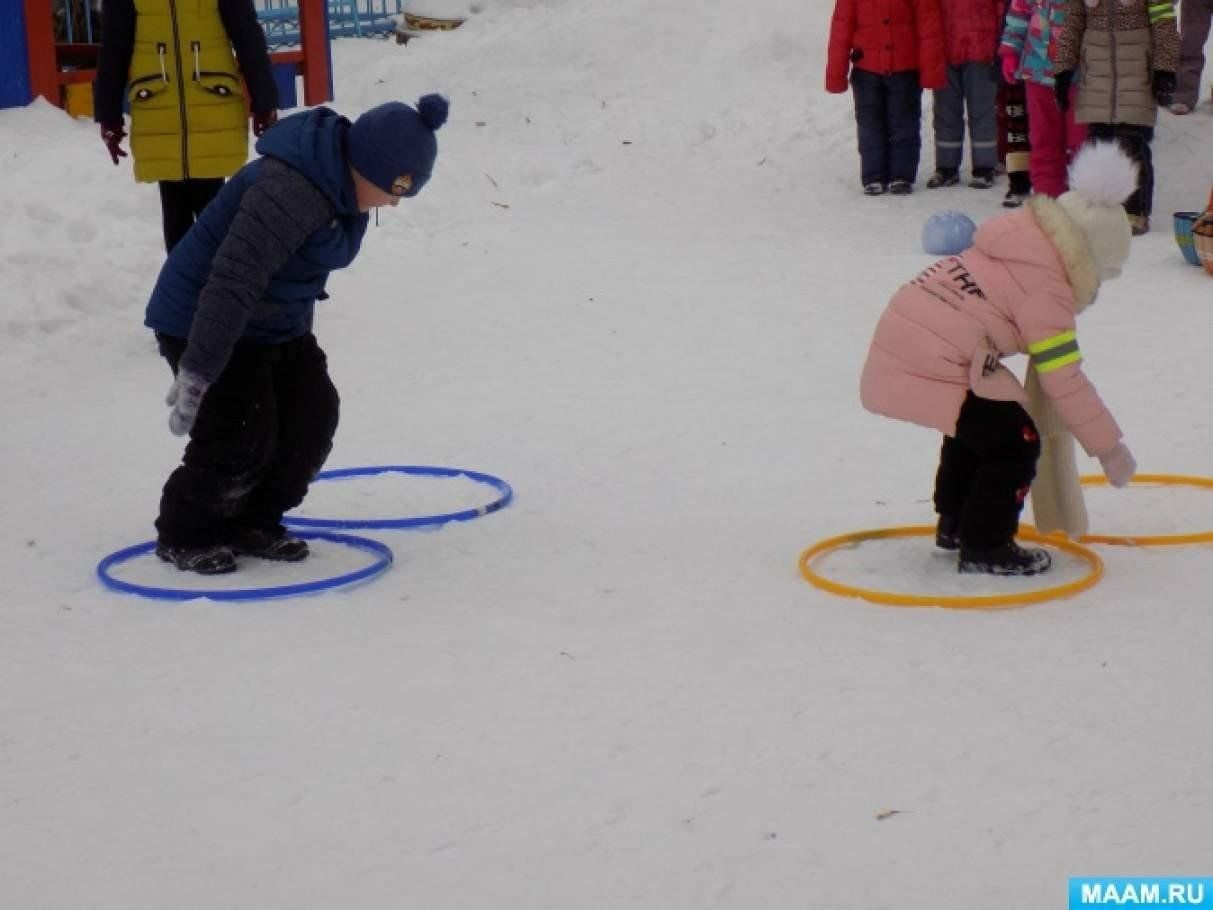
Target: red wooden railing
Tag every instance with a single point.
(46, 58)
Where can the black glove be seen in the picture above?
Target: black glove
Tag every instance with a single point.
(1061, 88)
(1163, 85)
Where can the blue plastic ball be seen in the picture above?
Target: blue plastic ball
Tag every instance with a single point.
(947, 233)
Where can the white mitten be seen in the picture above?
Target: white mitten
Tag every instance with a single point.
(185, 397)
(1118, 465)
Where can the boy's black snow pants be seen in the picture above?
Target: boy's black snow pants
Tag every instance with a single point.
(985, 470)
(262, 434)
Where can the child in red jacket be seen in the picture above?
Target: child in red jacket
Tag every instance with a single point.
(893, 49)
(971, 30)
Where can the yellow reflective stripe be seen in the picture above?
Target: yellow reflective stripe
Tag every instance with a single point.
(1159, 12)
(1048, 366)
(1056, 341)
(1055, 352)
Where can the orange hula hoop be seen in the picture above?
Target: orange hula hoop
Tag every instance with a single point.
(954, 602)
(1149, 540)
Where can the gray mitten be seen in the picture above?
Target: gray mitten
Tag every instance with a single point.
(1118, 465)
(185, 397)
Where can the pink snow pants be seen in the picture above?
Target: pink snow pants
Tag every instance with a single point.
(1054, 137)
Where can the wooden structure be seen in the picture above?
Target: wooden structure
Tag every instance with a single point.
(33, 65)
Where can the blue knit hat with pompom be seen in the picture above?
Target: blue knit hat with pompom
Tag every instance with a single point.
(393, 145)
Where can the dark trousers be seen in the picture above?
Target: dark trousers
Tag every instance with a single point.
(262, 434)
(1135, 140)
(1194, 16)
(985, 470)
(181, 202)
(971, 90)
(888, 113)
(1014, 146)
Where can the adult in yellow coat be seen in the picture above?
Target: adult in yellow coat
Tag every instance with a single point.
(179, 64)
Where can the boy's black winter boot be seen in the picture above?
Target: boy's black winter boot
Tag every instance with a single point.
(1008, 559)
(943, 176)
(901, 187)
(277, 544)
(213, 560)
(982, 179)
(947, 532)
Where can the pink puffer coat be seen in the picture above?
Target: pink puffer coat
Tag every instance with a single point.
(1017, 288)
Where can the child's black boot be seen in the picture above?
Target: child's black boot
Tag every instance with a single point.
(277, 544)
(947, 533)
(943, 176)
(982, 179)
(216, 559)
(1008, 559)
(1018, 191)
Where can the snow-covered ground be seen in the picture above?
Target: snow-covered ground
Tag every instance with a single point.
(640, 288)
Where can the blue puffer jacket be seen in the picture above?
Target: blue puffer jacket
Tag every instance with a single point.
(314, 144)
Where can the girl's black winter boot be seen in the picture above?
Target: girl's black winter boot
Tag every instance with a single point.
(1008, 559)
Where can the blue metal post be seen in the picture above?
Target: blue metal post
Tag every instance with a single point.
(284, 76)
(14, 59)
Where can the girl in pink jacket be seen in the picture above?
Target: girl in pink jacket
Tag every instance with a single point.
(935, 358)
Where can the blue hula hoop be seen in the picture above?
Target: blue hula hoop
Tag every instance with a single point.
(420, 521)
(382, 553)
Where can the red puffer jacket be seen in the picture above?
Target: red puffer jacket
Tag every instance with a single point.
(971, 30)
(887, 36)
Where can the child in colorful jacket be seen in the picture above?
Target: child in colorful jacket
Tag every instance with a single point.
(1014, 145)
(1125, 53)
(1029, 41)
(935, 358)
(232, 311)
(971, 29)
(893, 49)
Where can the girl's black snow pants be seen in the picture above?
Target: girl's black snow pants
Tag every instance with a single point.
(986, 469)
(181, 202)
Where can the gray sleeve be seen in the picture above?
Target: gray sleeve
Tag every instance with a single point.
(275, 217)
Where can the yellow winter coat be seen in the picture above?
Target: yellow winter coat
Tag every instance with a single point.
(188, 117)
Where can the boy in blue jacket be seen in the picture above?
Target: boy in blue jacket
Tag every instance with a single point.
(232, 313)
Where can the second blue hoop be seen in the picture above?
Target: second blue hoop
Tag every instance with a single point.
(504, 494)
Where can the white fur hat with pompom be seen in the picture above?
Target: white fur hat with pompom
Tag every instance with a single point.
(1102, 177)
